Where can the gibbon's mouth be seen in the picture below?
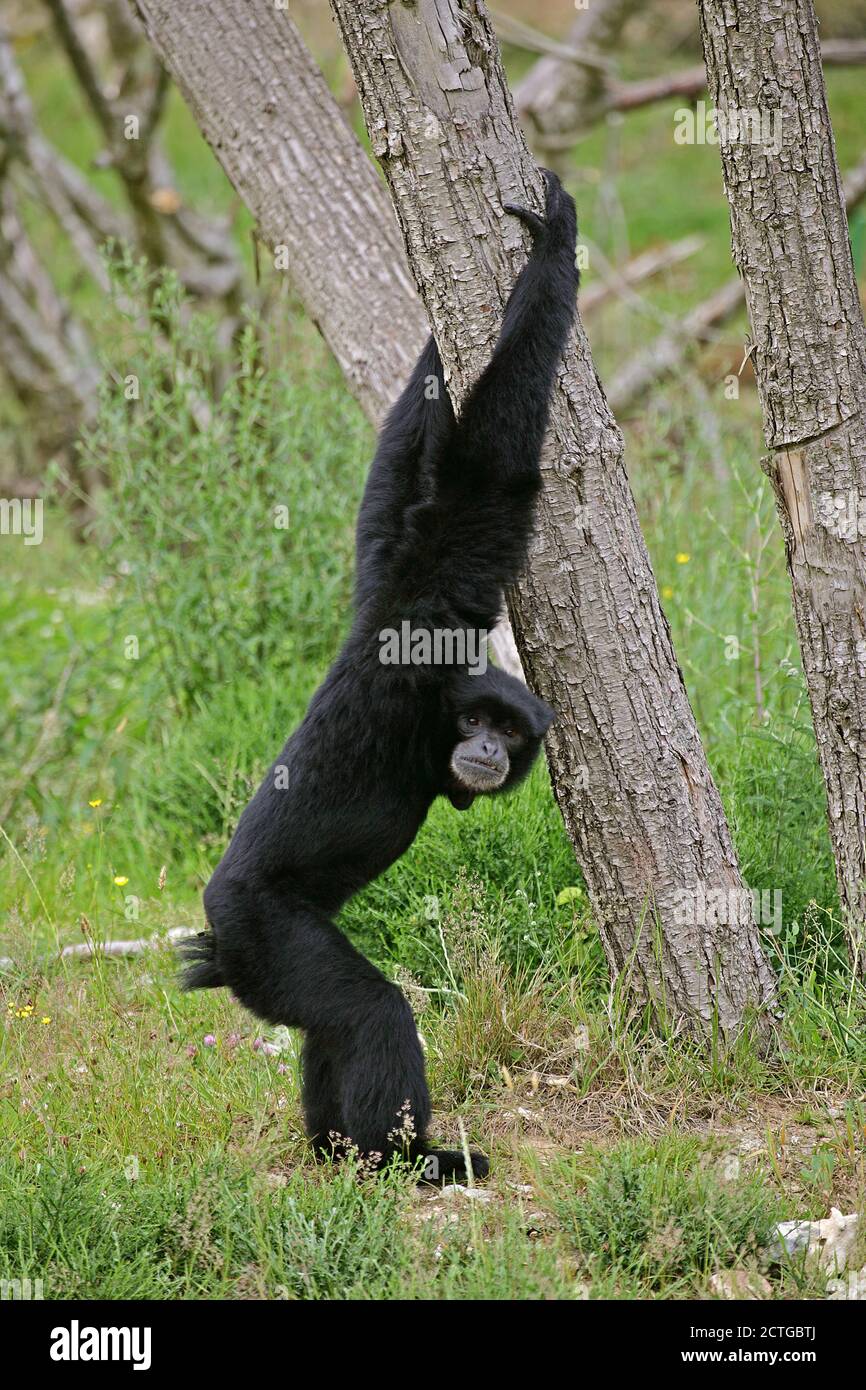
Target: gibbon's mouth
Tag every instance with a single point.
(479, 774)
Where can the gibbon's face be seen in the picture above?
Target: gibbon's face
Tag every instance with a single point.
(483, 754)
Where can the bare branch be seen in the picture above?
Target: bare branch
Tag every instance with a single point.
(559, 106)
(556, 94)
(670, 348)
(86, 950)
(45, 351)
(514, 31)
(641, 267)
(667, 351)
(83, 68)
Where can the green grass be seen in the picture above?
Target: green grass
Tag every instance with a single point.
(150, 1145)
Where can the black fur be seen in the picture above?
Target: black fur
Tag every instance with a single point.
(443, 529)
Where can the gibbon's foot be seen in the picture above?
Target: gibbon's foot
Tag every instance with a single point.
(435, 1166)
(559, 216)
(536, 224)
(449, 1165)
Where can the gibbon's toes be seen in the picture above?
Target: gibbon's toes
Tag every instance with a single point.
(553, 192)
(560, 213)
(480, 1164)
(536, 224)
(559, 224)
(449, 1165)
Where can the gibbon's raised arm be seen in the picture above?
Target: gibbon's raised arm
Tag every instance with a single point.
(468, 512)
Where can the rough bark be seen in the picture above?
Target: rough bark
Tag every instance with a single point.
(626, 760)
(790, 243)
(265, 108)
(691, 82)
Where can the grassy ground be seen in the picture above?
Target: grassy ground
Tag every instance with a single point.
(150, 1142)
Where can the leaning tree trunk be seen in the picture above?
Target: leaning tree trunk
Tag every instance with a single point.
(265, 108)
(626, 759)
(790, 242)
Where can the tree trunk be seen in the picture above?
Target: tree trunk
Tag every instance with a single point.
(790, 242)
(626, 760)
(265, 109)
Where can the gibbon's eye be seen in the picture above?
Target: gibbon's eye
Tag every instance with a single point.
(510, 733)
(472, 721)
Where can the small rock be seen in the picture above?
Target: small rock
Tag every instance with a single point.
(528, 1114)
(853, 1287)
(830, 1241)
(473, 1194)
(538, 1221)
(740, 1283)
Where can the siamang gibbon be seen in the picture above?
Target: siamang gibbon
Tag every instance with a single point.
(443, 529)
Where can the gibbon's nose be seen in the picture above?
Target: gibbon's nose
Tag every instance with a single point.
(489, 747)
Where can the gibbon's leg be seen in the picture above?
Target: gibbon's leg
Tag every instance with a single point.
(287, 962)
(323, 1115)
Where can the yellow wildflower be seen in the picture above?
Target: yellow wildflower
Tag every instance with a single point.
(97, 801)
(683, 557)
(120, 880)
